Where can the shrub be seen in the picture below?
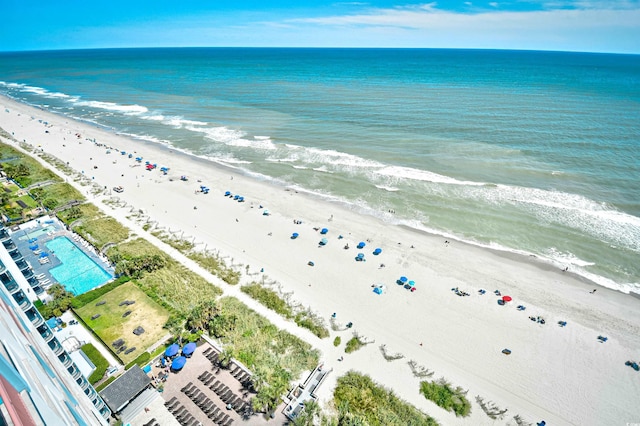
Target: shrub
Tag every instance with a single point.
(337, 341)
(444, 395)
(98, 360)
(353, 345)
(362, 401)
(105, 383)
(142, 359)
(88, 297)
(268, 298)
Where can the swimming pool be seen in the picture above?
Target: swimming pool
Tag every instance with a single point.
(78, 272)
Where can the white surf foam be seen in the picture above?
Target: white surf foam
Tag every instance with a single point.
(133, 109)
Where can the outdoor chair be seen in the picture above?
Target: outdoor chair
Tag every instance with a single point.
(206, 351)
(203, 375)
(179, 411)
(223, 419)
(228, 423)
(171, 401)
(208, 380)
(213, 415)
(176, 408)
(232, 399)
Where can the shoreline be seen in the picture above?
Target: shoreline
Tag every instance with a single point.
(462, 336)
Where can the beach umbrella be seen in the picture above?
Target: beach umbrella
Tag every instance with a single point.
(265, 213)
(178, 363)
(294, 235)
(44, 254)
(404, 279)
(227, 193)
(189, 348)
(324, 231)
(377, 251)
(33, 247)
(412, 283)
(33, 240)
(123, 152)
(361, 244)
(323, 241)
(506, 298)
(172, 350)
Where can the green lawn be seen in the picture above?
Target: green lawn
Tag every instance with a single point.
(111, 326)
(28, 201)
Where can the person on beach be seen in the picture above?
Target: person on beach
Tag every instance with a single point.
(592, 291)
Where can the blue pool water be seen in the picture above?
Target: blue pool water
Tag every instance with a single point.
(78, 273)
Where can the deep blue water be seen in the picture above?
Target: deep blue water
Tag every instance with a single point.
(534, 152)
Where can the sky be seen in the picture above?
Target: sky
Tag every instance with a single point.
(567, 25)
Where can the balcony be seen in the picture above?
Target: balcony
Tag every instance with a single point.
(55, 346)
(35, 317)
(45, 333)
(4, 235)
(25, 304)
(12, 287)
(16, 255)
(22, 265)
(38, 290)
(75, 372)
(65, 360)
(9, 245)
(83, 383)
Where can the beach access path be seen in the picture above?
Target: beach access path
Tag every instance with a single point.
(563, 375)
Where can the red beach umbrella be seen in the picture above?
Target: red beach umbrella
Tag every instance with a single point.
(506, 298)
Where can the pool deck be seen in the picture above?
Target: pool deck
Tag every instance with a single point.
(46, 229)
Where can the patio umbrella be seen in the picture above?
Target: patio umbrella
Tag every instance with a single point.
(178, 363)
(33, 247)
(172, 350)
(33, 240)
(294, 235)
(506, 298)
(189, 348)
(412, 283)
(44, 254)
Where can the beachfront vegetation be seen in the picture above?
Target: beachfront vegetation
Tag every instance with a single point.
(493, 411)
(22, 168)
(98, 360)
(56, 195)
(353, 345)
(61, 301)
(162, 278)
(389, 356)
(420, 371)
(96, 227)
(82, 299)
(275, 356)
(361, 401)
(337, 341)
(273, 301)
(443, 394)
(112, 324)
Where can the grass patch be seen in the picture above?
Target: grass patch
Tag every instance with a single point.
(111, 325)
(88, 297)
(216, 266)
(361, 401)
(446, 396)
(140, 361)
(272, 300)
(105, 383)
(96, 227)
(353, 345)
(23, 169)
(56, 195)
(173, 286)
(98, 360)
(274, 355)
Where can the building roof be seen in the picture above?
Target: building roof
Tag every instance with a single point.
(125, 388)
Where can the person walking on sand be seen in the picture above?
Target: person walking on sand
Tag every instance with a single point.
(593, 291)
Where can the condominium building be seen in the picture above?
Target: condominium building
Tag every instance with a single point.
(39, 382)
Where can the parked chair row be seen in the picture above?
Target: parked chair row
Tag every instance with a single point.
(208, 407)
(152, 422)
(182, 415)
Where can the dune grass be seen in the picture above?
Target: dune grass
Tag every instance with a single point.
(361, 401)
(94, 226)
(353, 345)
(275, 356)
(22, 168)
(111, 325)
(446, 396)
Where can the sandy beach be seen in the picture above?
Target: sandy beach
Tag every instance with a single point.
(563, 375)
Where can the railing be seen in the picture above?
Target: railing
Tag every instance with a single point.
(4, 235)
(22, 265)
(9, 245)
(15, 255)
(12, 286)
(75, 373)
(36, 320)
(56, 346)
(65, 360)
(46, 334)
(25, 304)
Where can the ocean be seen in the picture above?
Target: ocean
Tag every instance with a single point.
(536, 153)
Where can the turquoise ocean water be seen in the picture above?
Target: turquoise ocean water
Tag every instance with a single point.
(531, 152)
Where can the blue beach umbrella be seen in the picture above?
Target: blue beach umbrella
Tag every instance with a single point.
(412, 283)
(404, 279)
(324, 231)
(178, 363)
(227, 193)
(361, 245)
(172, 350)
(377, 251)
(189, 348)
(44, 254)
(33, 247)
(294, 235)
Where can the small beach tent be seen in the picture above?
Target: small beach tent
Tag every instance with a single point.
(361, 245)
(266, 213)
(403, 279)
(123, 152)
(178, 363)
(506, 298)
(138, 159)
(172, 350)
(412, 283)
(377, 251)
(324, 231)
(377, 290)
(323, 241)
(227, 193)
(189, 349)
(294, 235)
